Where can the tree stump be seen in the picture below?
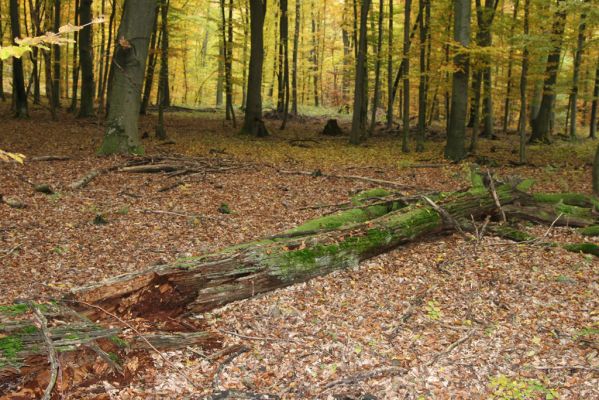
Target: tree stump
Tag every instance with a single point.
(332, 128)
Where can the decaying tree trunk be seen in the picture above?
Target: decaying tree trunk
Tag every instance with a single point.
(320, 246)
(374, 222)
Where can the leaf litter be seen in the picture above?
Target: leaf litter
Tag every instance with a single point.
(437, 318)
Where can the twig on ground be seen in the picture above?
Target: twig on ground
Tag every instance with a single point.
(221, 367)
(50, 158)
(571, 367)
(377, 373)
(52, 355)
(446, 215)
(350, 177)
(10, 251)
(271, 339)
(416, 301)
(495, 197)
(90, 176)
(450, 348)
(177, 214)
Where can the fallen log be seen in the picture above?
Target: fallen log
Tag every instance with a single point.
(335, 242)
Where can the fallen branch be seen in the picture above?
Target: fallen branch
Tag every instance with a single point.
(221, 367)
(318, 173)
(93, 174)
(52, 357)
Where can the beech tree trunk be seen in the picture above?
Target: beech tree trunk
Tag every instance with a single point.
(576, 77)
(541, 124)
(121, 135)
(360, 112)
(86, 58)
(18, 78)
(405, 62)
(253, 124)
(455, 149)
(594, 106)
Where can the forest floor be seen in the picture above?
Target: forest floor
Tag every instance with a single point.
(459, 318)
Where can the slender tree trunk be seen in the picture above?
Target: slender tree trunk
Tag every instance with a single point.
(400, 70)
(594, 106)
(390, 68)
(377, 68)
(103, 55)
(229, 65)
(360, 115)
(510, 72)
(227, 53)
(162, 82)
(284, 34)
(18, 79)
(406, 76)
(108, 66)
(455, 149)
(246, 34)
(576, 77)
(485, 16)
(2, 26)
(283, 43)
(523, 87)
(56, 89)
(220, 80)
(596, 173)
(130, 54)
(155, 43)
(422, 88)
(166, 94)
(477, 77)
(447, 80)
(86, 57)
(75, 78)
(253, 124)
(35, 53)
(541, 124)
(314, 57)
(296, 35)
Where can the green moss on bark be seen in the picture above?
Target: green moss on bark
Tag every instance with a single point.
(589, 231)
(585, 248)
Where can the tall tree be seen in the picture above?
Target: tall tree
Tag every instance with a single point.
(155, 42)
(455, 149)
(2, 26)
(406, 76)
(56, 90)
(86, 57)
(360, 115)
(162, 81)
(227, 33)
(253, 123)
(510, 69)
(575, 79)
(377, 68)
(485, 14)
(422, 87)
(76, 65)
(296, 35)
(284, 67)
(18, 79)
(523, 86)
(390, 67)
(594, 106)
(541, 124)
(130, 53)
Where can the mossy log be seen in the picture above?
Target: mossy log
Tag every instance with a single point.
(199, 284)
